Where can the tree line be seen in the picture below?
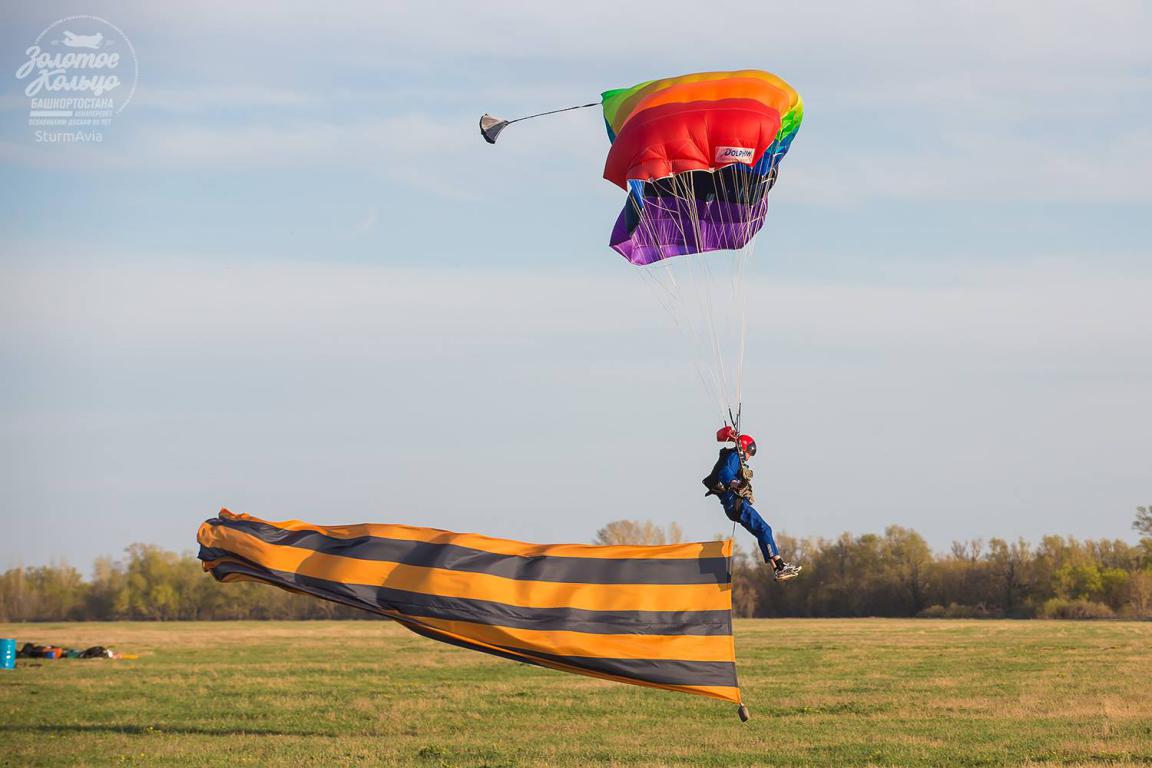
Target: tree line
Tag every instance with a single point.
(896, 574)
(891, 574)
(150, 583)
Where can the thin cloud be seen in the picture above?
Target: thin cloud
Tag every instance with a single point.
(1063, 307)
(368, 223)
(979, 166)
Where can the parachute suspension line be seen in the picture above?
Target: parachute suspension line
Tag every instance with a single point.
(672, 286)
(667, 295)
(675, 299)
(700, 284)
(744, 186)
(742, 320)
(703, 301)
(738, 187)
(707, 285)
(735, 297)
(703, 279)
(555, 111)
(490, 127)
(704, 291)
(738, 295)
(661, 275)
(694, 295)
(736, 256)
(684, 188)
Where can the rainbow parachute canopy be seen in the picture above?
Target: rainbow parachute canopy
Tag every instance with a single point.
(698, 154)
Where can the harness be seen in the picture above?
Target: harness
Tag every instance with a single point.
(741, 486)
(745, 489)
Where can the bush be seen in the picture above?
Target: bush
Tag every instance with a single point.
(1059, 608)
(957, 611)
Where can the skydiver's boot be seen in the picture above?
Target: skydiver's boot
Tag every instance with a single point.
(785, 571)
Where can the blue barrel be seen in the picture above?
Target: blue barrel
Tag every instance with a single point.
(7, 653)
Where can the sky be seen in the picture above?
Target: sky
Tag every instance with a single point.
(293, 280)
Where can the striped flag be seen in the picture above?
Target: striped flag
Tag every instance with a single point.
(657, 616)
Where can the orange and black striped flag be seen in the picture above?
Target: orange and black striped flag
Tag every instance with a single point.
(659, 616)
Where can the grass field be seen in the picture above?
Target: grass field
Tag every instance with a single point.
(822, 692)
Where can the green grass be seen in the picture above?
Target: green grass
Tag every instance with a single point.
(822, 692)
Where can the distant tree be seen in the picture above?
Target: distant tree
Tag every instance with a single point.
(1140, 593)
(1008, 563)
(1115, 587)
(43, 593)
(1143, 521)
(108, 582)
(967, 550)
(639, 532)
(159, 584)
(907, 556)
(13, 595)
(839, 596)
(745, 581)
(1079, 581)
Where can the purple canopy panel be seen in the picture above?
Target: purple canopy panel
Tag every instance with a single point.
(665, 227)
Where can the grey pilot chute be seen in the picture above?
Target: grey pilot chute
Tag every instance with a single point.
(490, 127)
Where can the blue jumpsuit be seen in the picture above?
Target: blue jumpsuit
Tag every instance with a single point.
(739, 510)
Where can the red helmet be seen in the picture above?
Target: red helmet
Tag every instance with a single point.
(748, 445)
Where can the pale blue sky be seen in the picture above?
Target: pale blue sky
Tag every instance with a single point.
(294, 281)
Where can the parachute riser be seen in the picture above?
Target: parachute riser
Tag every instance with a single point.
(742, 457)
(735, 424)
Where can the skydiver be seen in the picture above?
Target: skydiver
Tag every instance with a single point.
(731, 481)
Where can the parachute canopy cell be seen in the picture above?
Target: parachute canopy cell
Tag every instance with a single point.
(698, 154)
